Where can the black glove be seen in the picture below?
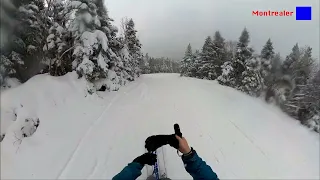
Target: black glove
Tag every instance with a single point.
(146, 158)
(152, 143)
(173, 141)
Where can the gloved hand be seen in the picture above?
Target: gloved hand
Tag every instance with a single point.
(146, 158)
(152, 143)
(183, 145)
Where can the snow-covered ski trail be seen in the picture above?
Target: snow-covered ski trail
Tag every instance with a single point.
(74, 153)
(240, 137)
(91, 128)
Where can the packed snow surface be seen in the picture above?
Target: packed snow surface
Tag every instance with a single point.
(83, 136)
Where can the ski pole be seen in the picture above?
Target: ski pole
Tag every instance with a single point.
(155, 168)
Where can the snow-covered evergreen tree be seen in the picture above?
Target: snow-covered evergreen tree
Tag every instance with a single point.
(300, 70)
(163, 65)
(128, 72)
(29, 24)
(267, 55)
(21, 30)
(59, 42)
(146, 64)
(299, 65)
(7, 21)
(134, 47)
(59, 36)
(252, 80)
(194, 66)
(247, 68)
(277, 80)
(186, 62)
(239, 64)
(226, 77)
(220, 55)
(206, 66)
(244, 53)
(304, 105)
(291, 59)
(312, 103)
(267, 50)
(8, 69)
(275, 70)
(276, 62)
(91, 44)
(304, 67)
(117, 52)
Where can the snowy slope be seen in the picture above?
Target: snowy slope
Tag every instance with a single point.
(94, 137)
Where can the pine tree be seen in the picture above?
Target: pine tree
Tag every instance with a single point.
(146, 64)
(64, 35)
(267, 50)
(7, 21)
(244, 52)
(275, 72)
(91, 44)
(305, 104)
(207, 69)
(194, 66)
(220, 55)
(59, 42)
(267, 54)
(276, 64)
(252, 80)
(239, 64)
(311, 95)
(247, 68)
(118, 53)
(8, 69)
(304, 67)
(128, 71)
(291, 59)
(163, 65)
(134, 47)
(299, 64)
(226, 77)
(186, 62)
(27, 37)
(300, 70)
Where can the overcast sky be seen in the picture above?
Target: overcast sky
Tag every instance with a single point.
(165, 27)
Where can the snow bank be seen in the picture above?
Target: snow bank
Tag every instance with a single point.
(10, 83)
(38, 105)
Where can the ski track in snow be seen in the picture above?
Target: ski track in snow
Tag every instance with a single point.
(248, 138)
(238, 136)
(74, 153)
(82, 140)
(94, 169)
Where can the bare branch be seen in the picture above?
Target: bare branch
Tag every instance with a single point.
(66, 51)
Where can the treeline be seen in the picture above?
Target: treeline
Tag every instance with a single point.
(60, 36)
(159, 65)
(292, 83)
